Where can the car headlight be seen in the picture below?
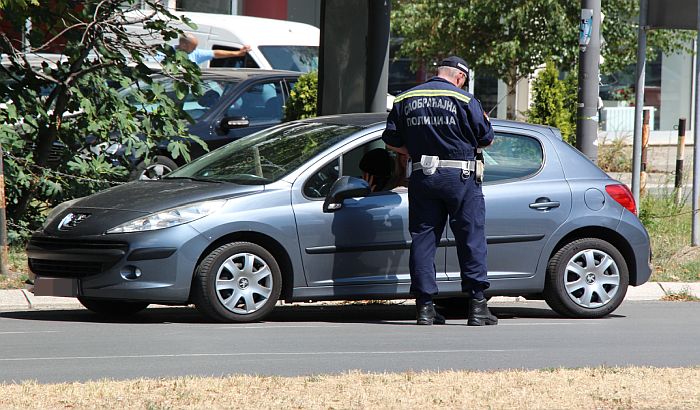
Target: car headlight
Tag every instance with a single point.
(57, 210)
(170, 217)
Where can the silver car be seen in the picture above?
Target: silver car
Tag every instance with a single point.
(284, 214)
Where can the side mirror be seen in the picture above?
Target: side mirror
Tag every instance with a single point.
(229, 123)
(345, 187)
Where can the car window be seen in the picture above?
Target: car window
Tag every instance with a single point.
(512, 156)
(292, 58)
(319, 184)
(195, 106)
(380, 167)
(262, 103)
(236, 62)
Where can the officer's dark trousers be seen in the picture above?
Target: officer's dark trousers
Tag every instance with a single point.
(432, 198)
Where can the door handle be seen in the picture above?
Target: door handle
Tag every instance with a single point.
(544, 204)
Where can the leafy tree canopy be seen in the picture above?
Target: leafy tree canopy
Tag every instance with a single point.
(52, 106)
(512, 38)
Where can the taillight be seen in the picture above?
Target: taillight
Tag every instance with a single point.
(623, 196)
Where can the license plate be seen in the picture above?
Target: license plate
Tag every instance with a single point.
(66, 287)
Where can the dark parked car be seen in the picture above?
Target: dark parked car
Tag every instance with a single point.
(235, 103)
(283, 214)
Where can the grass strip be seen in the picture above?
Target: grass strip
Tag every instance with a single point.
(584, 388)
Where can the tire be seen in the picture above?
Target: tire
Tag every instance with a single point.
(114, 308)
(153, 169)
(586, 278)
(237, 282)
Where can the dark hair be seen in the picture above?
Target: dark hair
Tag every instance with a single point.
(379, 163)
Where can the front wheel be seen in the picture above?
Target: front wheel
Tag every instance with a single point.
(112, 307)
(237, 282)
(586, 278)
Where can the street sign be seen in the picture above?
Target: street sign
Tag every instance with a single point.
(672, 14)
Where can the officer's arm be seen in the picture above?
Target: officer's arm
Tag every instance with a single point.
(401, 150)
(392, 135)
(480, 123)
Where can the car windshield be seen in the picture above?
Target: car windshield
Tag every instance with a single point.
(266, 156)
(293, 58)
(195, 106)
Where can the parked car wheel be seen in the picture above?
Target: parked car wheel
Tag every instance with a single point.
(586, 278)
(155, 169)
(237, 282)
(113, 307)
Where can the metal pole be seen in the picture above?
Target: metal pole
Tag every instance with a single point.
(3, 222)
(680, 157)
(696, 140)
(377, 55)
(639, 99)
(588, 79)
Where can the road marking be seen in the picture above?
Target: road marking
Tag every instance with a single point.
(29, 333)
(582, 322)
(236, 327)
(180, 355)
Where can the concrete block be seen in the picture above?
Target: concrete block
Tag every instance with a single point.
(12, 299)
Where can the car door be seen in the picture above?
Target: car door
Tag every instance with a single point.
(527, 199)
(261, 103)
(366, 241)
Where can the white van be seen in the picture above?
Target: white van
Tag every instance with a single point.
(275, 44)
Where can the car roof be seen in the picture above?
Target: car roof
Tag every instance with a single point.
(245, 73)
(366, 120)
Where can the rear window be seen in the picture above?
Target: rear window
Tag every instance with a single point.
(512, 156)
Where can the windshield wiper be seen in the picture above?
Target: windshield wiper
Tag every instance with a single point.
(197, 179)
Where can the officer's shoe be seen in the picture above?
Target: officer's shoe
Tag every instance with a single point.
(426, 315)
(479, 314)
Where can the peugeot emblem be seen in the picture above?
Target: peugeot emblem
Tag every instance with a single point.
(71, 220)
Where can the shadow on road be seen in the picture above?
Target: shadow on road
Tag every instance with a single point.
(395, 314)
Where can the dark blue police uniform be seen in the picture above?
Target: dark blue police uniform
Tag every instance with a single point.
(438, 119)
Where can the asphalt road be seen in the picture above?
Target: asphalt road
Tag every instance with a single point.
(76, 345)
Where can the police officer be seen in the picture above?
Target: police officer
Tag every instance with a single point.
(440, 126)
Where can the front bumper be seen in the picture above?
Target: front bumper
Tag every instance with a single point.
(155, 266)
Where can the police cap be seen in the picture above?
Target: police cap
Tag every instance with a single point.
(456, 62)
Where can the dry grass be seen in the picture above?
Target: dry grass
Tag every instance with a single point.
(18, 269)
(588, 388)
(683, 295)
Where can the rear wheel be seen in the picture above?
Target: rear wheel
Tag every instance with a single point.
(237, 282)
(112, 307)
(586, 278)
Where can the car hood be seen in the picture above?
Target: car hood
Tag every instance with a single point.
(154, 196)
(107, 209)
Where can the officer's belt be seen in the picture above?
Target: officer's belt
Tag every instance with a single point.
(448, 163)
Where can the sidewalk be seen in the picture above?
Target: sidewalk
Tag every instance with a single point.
(20, 299)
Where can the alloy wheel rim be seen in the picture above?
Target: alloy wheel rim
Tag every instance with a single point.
(591, 278)
(155, 171)
(244, 283)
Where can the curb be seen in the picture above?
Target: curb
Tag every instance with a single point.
(21, 299)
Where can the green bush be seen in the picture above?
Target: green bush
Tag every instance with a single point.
(303, 99)
(554, 102)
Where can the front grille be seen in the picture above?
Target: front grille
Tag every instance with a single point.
(70, 258)
(64, 269)
(61, 243)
